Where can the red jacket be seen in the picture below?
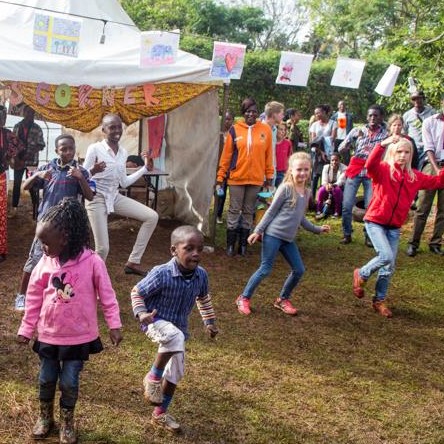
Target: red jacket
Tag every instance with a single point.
(391, 199)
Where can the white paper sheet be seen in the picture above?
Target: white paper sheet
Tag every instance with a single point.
(294, 68)
(348, 73)
(388, 81)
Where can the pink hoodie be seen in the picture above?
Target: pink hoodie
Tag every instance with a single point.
(62, 300)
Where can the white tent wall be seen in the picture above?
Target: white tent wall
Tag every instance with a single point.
(192, 147)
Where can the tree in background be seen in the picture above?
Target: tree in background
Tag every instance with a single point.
(408, 33)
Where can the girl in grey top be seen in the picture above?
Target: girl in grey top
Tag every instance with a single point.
(278, 229)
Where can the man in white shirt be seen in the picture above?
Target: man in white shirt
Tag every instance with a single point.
(433, 138)
(106, 161)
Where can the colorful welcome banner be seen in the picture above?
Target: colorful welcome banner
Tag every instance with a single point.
(82, 107)
(228, 60)
(158, 48)
(56, 35)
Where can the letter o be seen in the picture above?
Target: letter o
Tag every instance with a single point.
(62, 95)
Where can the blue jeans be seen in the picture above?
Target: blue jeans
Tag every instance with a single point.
(385, 242)
(279, 178)
(68, 373)
(349, 198)
(270, 247)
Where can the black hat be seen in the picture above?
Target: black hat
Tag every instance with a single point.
(417, 93)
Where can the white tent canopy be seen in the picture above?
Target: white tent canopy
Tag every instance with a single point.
(114, 63)
(192, 132)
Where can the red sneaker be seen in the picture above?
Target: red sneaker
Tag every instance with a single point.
(243, 305)
(382, 309)
(358, 283)
(286, 306)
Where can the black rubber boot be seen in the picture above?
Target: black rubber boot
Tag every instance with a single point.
(231, 242)
(243, 237)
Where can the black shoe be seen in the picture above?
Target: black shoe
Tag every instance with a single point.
(346, 240)
(436, 249)
(411, 250)
(134, 270)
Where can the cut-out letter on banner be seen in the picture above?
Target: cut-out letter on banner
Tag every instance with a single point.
(294, 68)
(228, 60)
(348, 73)
(388, 81)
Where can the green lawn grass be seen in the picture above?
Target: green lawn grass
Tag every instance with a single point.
(336, 373)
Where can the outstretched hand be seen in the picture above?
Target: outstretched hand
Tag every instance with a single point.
(325, 228)
(149, 164)
(147, 318)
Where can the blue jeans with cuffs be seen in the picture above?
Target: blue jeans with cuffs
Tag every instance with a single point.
(270, 247)
(385, 242)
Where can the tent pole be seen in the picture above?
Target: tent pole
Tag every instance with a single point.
(140, 136)
(221, 147)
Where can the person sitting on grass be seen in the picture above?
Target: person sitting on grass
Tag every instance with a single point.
(62, 177)
(395, 184)
(278, 229)
(330, 193)
(162, 302)
(66, 286)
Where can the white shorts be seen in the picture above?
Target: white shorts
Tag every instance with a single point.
(170, 339)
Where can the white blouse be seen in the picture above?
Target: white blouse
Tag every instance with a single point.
(114, 174)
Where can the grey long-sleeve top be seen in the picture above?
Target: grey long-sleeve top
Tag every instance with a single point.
(282, 220)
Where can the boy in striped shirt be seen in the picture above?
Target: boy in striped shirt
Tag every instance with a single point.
(162, 302)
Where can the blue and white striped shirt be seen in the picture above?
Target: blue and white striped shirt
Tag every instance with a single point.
(166, 290)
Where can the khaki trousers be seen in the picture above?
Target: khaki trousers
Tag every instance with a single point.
(123, 206)
(242, 203)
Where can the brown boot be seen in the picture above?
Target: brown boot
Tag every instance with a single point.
(45, 422)
(67, 431)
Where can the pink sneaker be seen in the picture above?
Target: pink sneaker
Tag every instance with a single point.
(243, 305)
(286, 306)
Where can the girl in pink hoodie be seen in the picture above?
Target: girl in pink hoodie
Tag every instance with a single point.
(61, 303)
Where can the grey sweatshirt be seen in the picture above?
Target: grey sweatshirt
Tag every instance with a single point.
(282, 220)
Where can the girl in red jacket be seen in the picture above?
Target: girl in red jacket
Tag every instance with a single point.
(395, 185)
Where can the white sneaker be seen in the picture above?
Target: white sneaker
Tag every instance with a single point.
(219, 220)
(20, 302)
(166, 421)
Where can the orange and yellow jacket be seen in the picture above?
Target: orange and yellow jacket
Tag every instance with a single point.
(247, 157)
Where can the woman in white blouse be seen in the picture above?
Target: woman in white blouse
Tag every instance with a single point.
(106, 161)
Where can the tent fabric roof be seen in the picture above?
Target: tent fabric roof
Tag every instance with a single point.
(114, 63)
